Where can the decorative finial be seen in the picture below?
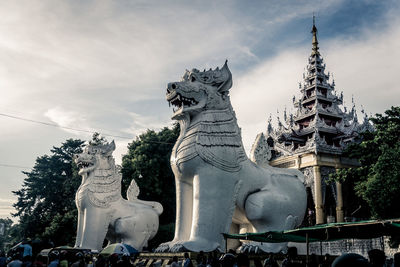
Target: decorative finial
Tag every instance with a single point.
(285, 114)
(313, 18)
(314, 39)
(269, 127)
(291, 120)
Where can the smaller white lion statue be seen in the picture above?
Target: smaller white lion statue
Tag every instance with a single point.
(102, 212)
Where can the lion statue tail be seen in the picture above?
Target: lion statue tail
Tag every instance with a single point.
(132, 195)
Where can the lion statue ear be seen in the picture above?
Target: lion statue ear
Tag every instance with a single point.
(227, 75)
(109, 148)
(112, 145)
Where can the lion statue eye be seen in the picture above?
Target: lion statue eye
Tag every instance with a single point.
(193, 79)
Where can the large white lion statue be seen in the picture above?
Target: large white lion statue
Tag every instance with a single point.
(217, 187)
(102, 212)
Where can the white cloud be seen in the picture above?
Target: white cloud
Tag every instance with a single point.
(60, 51)
(6, 200)
(93, 65)
(139, 124)
(368, 68)
(264, 90)
(6, 207)
(68, 119)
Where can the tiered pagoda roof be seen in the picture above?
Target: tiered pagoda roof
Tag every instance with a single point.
(319, 124)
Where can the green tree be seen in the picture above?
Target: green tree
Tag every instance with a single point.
(147, 162)
(5, 226)
(377, 181)
(45, 205)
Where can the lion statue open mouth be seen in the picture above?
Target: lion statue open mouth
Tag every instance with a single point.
(102, 212)
(218, 188)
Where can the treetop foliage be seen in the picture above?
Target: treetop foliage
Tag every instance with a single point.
(47, 194)
(377, 181)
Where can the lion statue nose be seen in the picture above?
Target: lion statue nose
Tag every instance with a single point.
(171, 86)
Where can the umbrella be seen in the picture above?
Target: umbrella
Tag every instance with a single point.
(118, 248)
(64, 247)
(131, 249)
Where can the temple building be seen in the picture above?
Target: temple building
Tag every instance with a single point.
(313, 138)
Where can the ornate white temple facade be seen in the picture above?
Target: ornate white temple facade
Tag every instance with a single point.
(313, 138)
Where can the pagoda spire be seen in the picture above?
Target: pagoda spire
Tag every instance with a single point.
(314, 39)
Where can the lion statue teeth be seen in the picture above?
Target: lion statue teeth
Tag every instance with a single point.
(217, 187)
(102, 212)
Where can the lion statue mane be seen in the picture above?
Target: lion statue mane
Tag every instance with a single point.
(102, 212)
(218, 189)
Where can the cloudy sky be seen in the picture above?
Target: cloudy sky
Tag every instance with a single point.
(103, 65)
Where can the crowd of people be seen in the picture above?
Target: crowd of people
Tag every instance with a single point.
(376, 258)
(64, 259)
(22, 257)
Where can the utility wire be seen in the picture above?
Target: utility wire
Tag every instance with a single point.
(59, 126)
(14, 166)
(77, 129)
(67, 128)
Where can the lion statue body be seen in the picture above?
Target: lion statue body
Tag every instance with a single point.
(217, 187)
(102, 212)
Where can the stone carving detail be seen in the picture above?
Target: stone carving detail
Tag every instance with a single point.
(318, 125)
(216, 183)
(325, 171)
(260, 152)
(309, 179)
(102, 212)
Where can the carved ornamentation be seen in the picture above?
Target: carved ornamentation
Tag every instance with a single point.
(216, 183)
(309, 179)
(102, 212)
(325, 172)
(317, 109)
(260, 152)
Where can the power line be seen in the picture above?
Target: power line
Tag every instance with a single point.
(14, 166)
(59, 126)
(77, 129)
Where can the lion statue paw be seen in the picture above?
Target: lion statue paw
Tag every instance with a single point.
(259, 248)
(164, 247)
